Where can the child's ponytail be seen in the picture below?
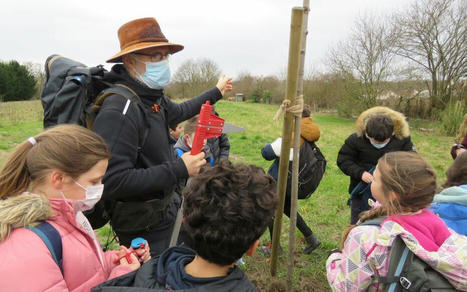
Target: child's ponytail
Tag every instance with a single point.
(14, 176)
(410, 178)
(365, 216)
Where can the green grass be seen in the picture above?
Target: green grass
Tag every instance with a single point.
(326, 211)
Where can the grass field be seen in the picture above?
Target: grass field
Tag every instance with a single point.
(326, 211)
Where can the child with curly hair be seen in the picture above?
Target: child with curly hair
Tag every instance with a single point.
(227, 208)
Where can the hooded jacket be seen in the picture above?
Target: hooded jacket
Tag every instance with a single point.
(219, 147)
(181, 147)
(365, 255)
(357, 155)
(135, 176)
(167, 272)
(308, 131)
(27, 264)
(451, 206)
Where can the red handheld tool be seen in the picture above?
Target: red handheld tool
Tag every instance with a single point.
(209, 126)
(136, 244)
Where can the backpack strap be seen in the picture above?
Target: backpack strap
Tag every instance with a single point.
(399, 257)
(131, 96)
(51, 239)
(373, 222)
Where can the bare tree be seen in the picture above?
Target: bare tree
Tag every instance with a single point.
(37, 70)
(366, 55)
(193, 77)
(245, 83)
(432, 34)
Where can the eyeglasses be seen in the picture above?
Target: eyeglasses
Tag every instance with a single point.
(156, 57)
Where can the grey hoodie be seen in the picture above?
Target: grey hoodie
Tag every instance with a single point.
(182, 147)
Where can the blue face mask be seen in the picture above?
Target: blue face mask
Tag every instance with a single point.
(379, 146)
(376, 145)
(157, 74)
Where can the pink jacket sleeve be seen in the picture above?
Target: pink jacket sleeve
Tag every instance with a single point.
(353, 268)
(114, 269)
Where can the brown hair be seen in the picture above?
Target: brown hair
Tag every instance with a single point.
(190, 125)
(457, 173)
(410, 177)
(174, 126)
(71, 149)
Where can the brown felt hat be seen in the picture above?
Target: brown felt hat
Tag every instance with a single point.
(141, 34)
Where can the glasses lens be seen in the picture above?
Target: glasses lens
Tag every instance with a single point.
(157, 57)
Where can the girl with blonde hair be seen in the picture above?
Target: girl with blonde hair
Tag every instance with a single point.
(54, 177)
(404, 185)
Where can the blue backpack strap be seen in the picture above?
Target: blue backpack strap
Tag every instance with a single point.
(398, 259)
(373, 222)
(51, 239)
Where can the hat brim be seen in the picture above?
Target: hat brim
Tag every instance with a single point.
(117, 58)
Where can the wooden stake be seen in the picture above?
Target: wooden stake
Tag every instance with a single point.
(291, 91)
(296, 156)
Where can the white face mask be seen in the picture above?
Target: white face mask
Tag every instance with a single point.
(377, 145)
(93, 195)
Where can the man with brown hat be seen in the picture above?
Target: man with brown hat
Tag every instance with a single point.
(140, 179)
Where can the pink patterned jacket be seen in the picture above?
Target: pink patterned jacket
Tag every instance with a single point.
(366, 252)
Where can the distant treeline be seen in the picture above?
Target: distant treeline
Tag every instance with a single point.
(414, 61)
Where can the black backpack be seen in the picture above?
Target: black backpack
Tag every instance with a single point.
(311, 168)
(73, 94)
(407, 272)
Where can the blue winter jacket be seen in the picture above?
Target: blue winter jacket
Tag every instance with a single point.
(451, 206)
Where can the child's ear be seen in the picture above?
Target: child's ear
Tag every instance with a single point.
(251, 251)
(393, 196)
(57, 179)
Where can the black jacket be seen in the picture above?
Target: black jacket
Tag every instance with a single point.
(167, 271)
(357, 155)
(152, 173)
(219, 147)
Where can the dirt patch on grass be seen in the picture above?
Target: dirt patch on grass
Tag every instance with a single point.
(258, 271)
(265, 283)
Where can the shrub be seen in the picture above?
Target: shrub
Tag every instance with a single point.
(451, 117)
(16, 82)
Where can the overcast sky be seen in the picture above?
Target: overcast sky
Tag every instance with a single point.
(239, 35)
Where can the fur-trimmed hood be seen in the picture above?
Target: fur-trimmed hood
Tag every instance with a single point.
(401, 127)
(21, 210)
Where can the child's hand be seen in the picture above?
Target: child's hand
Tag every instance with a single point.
(143, 254)
(224, 84)
(123, 259)
(459, 151)
(367, 177)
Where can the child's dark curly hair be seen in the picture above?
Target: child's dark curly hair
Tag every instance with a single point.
(227, 208)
